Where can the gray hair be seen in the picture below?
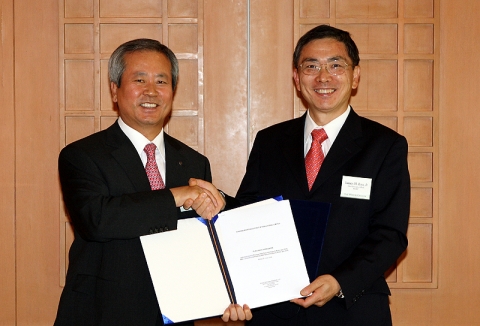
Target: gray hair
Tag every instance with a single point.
(116, 64)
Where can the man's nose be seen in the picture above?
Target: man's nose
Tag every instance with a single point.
(150, 89)
(323, 74)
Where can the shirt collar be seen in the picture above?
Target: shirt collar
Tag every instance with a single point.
(332, 128)
(140, 141)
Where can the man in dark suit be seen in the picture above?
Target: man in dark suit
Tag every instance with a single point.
(112, 202)
(364, 175)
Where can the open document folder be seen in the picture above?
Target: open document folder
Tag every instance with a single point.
(250, 255)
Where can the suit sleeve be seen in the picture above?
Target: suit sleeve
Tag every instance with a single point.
(104, 205)
(388, 224)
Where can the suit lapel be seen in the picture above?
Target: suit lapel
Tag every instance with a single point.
(127, 157)
(175, 163)
(292, 145)
(346, 145)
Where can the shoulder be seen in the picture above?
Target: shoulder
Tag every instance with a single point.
(88, 143)
(95, 139)
(98, 144)
(286, 128)
(378, 130)
(371, 130)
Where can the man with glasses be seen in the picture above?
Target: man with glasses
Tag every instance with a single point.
(358, 165)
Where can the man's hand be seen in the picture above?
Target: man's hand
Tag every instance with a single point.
(206, 205)
(319, 292)
(236, 312)
(199, 205)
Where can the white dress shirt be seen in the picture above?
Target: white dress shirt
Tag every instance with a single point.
(332, 129)
(140, 141)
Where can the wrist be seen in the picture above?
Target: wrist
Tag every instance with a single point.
(224, 199)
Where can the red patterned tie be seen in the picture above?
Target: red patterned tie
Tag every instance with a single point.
(156, 181)
(314, 158)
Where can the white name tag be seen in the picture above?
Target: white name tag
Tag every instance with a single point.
(355, 187)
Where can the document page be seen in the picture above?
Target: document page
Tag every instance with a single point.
(263, 253)
(185, 272)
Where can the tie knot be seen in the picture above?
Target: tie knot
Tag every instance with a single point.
(150, 149)
(319, 135)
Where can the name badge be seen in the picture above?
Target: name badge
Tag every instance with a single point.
(355, 187)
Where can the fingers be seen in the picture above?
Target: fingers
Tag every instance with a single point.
(204, 206)
(248, 312)
(236, 312)
(220, 200)
(188, 203)
(200, 195)
(319, 292)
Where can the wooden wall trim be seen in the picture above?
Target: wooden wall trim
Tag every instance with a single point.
(7, 167)
(36, 153)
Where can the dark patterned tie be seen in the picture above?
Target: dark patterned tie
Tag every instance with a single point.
(156, 181)
(314, 158)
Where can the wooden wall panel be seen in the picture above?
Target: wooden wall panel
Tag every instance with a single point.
(381, 75)
(36, 151)
(366, 9)
(418, 85)
(455, 301)
(270, 86)
(131, 8)
(7, 167)
(226, 98)
(417, 267)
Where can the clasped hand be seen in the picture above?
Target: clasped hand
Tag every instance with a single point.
(201, 196)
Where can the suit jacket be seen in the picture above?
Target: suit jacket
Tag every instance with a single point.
(108, 197)
(364, 237)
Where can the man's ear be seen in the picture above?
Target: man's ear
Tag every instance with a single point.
(296, 79)
(113, 91)
(356, 77)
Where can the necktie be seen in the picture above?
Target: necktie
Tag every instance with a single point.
(156, 181)
(314, 158)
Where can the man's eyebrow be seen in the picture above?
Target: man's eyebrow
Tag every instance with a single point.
(309, 60)
(338, 57)
(139, 74)
(143, 73)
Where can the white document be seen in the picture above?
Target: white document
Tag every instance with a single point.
(262, 253)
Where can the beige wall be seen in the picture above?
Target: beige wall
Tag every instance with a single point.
(230, 106)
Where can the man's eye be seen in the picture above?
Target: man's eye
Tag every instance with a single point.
(139, 80)
(312, 66)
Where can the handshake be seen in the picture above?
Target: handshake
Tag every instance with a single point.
(201, 196)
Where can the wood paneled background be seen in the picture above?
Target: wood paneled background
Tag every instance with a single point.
(235, 79)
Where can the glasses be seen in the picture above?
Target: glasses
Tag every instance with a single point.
(334, 67)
